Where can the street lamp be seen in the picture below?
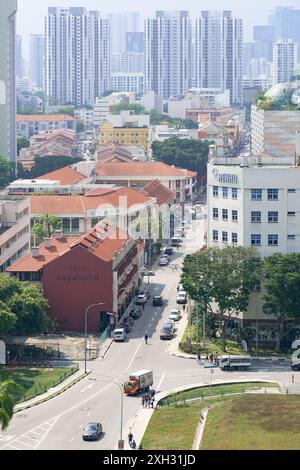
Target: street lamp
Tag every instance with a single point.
(120, 387)
(85, 330)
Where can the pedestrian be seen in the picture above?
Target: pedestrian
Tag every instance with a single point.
(152, 393)
(184, 307)
(130, 437)
(206, 358)
(211, 358)
(152, 402)
(143, 401)
(293, 378)
(198, 358)
(140, 447)
(146, 338)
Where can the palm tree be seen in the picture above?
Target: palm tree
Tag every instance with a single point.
(6, 402)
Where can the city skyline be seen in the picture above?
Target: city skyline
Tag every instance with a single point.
(250, 16)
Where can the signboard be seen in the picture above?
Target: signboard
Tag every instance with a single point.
(228, 178)
(2, 353)
(121, 445)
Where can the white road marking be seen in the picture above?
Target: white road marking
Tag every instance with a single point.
(161, 380)
(87, 388)
(6, 438)
(133, 357)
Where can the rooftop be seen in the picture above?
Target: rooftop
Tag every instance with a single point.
(153, 169)
(65, 176)
(44, 117)
(162, 194)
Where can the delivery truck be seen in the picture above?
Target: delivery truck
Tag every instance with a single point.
(138, 382)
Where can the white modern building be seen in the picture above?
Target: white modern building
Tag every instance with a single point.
(128, 62)
(8, 140)
(152, 101)
(164, 132)
(284, 60)
(128, 82)
(77, 55)
(36, 59)
(120, 24)
(254, 202)
(104, 105)
(218, 53)
(168, 54)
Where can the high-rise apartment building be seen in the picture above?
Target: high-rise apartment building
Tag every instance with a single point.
(19, 57)
(286, 22)
(168, 54)
(8, 144)
(37, 52)
(77, 55)
(128, 62)
(218, 53)
(120, 25)
(284, 60)
(135, 41)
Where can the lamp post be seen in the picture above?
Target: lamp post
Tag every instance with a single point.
(85, 330)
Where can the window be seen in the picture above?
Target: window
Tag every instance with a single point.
(225, 237)
(215, 191)
(215, 213)
(66, 225)
(291, 190)
(255, 239)
(75, 225)
(256, 194)
(234, 215)
(272, 194)
(177, 183)
(234, 238)
(272, 240)
(257, 286)
(234, 193)
(215, 235)
(291, 237)
(255, 216)
(225, 192)
(224, 214)
(272, 217)
(292, 214)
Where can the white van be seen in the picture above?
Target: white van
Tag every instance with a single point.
(176, 241)
(119, 334)
(234, 362)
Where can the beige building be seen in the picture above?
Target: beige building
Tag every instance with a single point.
(14, 229)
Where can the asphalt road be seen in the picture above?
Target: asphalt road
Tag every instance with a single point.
(58, 423)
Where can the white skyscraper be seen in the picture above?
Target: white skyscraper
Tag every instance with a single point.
(37, 52)
(218, 53)
(19, 57)
(284, 60)
(8, 141)
(120, 24)
(168, 53)
(77, 55)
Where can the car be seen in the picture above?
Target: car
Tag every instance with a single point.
(119, 334)
(169, 251)
(141, 299)
(176, 241)
(175, 315)
(125, 325)
(135, 314)
(167, 332)
(181, 297)
(92, 432)
(169, 322)
(158, 301)
(146, 272)
(164, 262)
(180, 288)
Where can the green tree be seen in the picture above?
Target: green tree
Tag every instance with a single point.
(30, 308)
(7, 388)
(221, 279)
(22, 143)
(183, 153)
(281, 280)
(138, 108)
(6, 172)
(46, 226)
(7, 320)
(44, 165)
(8, 286)
(80, 127)
(67, 110)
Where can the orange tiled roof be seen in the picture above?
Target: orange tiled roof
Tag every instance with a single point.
(65, 176)
(191, 174)
(162, 194)
(153, 169)
(31, 264)
(44, 117)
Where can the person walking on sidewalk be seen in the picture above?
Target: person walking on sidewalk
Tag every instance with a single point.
(143, 401)
(184, 307)
(146, 338)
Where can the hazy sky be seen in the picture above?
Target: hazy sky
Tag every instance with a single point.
(31, 13)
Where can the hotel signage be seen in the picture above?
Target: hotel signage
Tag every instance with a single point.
(225, 177)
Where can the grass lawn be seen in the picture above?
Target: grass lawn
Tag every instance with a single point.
(34, 381)
(214, 390)
(254, 422)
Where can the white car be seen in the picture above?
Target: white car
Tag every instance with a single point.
(164, 261)
(180, 288)
(175, 315)
(181, 297)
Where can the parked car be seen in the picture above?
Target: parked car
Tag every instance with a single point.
(120, 334)
(158, 301)
(170, 322)
(92, 432)
(167, 332)
(146, 272)
(164, 261)
(180, 288)
(169, 251)
(135, 314)
(181, 297)
(175, 315)
(141, 299)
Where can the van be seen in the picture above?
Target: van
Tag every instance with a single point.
(119, 334)
(234, 362)
(176, 241)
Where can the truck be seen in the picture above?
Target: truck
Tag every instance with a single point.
(138, 382)
(234, 362)
(295, 365)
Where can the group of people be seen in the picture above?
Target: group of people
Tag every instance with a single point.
(213, 358)
(148, 399)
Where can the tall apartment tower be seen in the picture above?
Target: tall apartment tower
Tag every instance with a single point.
(19, 57)
(77, 55)
(168, 54)
(37, 52)
(120, 25)
(284, 60)
(218, 53)
(8, 140)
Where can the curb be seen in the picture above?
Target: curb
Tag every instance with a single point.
(59, 392)
(106, 350)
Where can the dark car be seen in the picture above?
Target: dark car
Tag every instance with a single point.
(135, 314)
(167, 332)
(126, 325)
(169, 251)
(92, 432)
(158, 301)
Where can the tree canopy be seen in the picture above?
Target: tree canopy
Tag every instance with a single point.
(44, 165)
(6, 172)
(46, 226)
(7, 387)
(183, 153)
(138, 108)
(22, 143)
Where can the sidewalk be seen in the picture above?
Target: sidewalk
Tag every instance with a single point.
(52, 392)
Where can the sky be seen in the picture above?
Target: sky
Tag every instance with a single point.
(31, 13)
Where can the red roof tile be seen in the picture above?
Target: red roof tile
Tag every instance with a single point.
(162, 194)
(44, 117)
(152, 169)
(66, 176)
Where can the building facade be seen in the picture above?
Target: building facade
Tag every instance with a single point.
(128, 82)
(8, 140)
(284, 60)
(29, 125)
(36, 59)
